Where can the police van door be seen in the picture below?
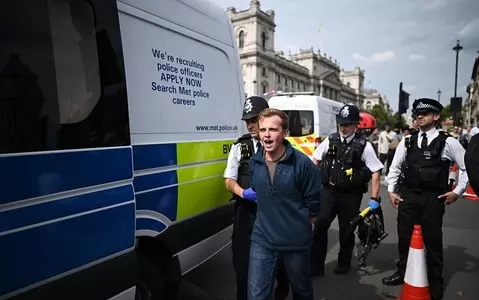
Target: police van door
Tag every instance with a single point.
(67, 203)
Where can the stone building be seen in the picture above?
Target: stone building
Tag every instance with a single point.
(471, 105)
(372, 97)
(265, 69)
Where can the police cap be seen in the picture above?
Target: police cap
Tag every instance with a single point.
(348, 114)
(253, 106)
(426, 105)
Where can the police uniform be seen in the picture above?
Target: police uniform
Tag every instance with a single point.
(472, 163)
(347, 165)
(420, 169)
(237, 168)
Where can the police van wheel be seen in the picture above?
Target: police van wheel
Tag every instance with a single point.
(151, 284)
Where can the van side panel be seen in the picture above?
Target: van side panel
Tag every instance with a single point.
(203, 17)
(67, 211)
(181, 85)
(185, 108)
(178, 192)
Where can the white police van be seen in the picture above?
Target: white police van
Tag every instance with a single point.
(312, 118)
(112, 147)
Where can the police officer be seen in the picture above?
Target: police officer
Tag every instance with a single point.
(423, 159)
(348, 163)
(237, 182)
(472, 163)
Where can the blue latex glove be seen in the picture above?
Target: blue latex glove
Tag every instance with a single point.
(250, 195)
(373, 204)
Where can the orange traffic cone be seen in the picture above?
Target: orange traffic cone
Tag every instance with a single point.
(453, 175)
(416, 285)
(470, 195)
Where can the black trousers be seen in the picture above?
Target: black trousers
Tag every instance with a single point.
(243, 227)
(425, 209)
(389, 160)
(383, 157)
(345, 204)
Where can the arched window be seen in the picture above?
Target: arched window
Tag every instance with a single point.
(263, 40)
(368, 105)
(241, 39)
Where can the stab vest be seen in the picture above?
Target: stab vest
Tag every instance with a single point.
(247, 151)
(424, 169)
(343, 167)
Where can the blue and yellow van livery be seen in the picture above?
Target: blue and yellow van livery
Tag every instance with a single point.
(112, 150)
(177, 181)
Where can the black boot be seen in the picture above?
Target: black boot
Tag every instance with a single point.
(395, 279)
(342, 268)
(317, 270)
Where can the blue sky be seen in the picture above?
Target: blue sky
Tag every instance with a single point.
(393, 40)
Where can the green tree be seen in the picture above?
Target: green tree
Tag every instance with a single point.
(397, 121)
(446, 112)
(381, 115)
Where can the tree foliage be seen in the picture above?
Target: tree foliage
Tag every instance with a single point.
(446, 114)
(383, 117)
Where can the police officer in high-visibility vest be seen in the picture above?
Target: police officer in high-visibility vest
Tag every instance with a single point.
(348, 163)
(237, 181)
(420, 169)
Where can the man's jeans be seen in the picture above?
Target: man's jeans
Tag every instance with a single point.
(261, 275)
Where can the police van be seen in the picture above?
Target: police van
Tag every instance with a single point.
(311, 118)
(112, 149)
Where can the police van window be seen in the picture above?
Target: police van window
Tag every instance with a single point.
(61, 76)
(74, 48)
(301, 122)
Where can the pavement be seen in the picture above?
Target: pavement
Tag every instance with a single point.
(216, 280)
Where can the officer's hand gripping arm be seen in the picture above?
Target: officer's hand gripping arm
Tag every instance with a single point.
(373, 204)
(249, 194)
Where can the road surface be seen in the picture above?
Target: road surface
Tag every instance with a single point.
(461, 256)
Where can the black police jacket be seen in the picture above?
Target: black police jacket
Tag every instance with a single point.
(343, 167)
(243, 180)
(424, 169)
(471, 160)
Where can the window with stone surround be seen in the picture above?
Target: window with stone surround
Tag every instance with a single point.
(263, 40)
(241, 39)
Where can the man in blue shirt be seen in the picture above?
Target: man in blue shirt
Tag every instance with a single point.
(288, 189)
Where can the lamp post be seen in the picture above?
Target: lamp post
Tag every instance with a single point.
(439, 95)
(454, 107)
(456, 48)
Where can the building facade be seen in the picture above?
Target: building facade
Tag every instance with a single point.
(471, 105)
(265, 69)
(372, 97)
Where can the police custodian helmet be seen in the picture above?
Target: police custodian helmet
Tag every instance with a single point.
(426, 105)
(348, 114)
(253, 106)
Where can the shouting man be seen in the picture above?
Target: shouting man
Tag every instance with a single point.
(288, 189)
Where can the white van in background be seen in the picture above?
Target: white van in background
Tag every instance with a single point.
(311, 118)
(116, 122)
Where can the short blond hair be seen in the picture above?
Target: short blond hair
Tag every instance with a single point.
(271, 112)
